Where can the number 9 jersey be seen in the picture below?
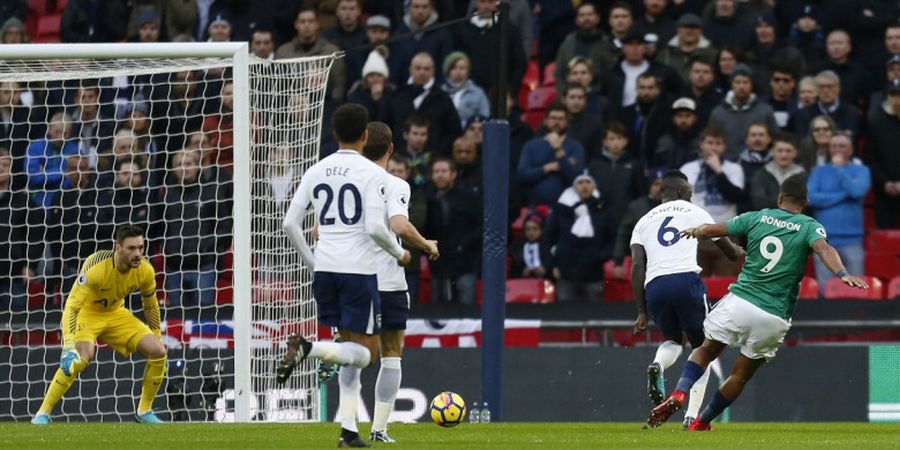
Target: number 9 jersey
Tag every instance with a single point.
(667, 252)
(778, 245)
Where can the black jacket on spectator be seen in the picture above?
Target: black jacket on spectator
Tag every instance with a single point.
(131, 206)
(353, 61)
(94, 21)
(21, 231)
(196, 223)
(90, 208)
(437, 108)
(619, 181)
(646, 124)
(856, 84)
(479, 44)
(674, 149)
(587, 129)
(437, 43)
(454, 220)
(733, 30)
(363, 95)
(580, 259)
(14, 135)
(517, 255)
(883, 158)
(811, 45)
(844, 116)
(706, 102)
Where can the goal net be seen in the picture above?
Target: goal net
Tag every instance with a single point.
(200, 145)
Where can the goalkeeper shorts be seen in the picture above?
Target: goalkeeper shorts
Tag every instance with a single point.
(118, 328)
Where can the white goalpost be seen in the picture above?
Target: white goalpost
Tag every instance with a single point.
(202, 145)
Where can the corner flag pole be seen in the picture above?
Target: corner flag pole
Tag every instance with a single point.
(495, 163)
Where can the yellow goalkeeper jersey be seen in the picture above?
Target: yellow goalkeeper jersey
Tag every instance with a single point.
(102, 288)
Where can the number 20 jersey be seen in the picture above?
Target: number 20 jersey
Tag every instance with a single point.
(778, 244)
(667, 252)
(344, 189)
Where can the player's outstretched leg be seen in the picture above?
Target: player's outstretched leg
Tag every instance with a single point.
(743, 370)
(70, 365)
(695, 399)
(344, 353)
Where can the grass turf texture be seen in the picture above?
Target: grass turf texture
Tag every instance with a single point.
(125, 436)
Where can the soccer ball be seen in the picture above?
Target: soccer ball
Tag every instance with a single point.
(448, 409)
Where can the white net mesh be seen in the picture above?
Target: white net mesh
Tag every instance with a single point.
(93, 144)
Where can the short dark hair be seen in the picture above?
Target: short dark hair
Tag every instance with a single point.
(712, 131)
(621, 4)
(379, 141)
(785, 137)
(349, 122)
(583, 4)
(397, 158)
(440, 159)
(128, 231)
(571, 86)
(415, 120)
(701, 60)
(794, 187)
(615, 128)
(648, 75)
(129, 160)
(556, 106)
(675, 173)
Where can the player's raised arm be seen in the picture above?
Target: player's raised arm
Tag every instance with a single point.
(292, 220)
(638, 275)
(832, 261)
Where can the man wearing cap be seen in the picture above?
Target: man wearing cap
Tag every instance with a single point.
(620, 82)
(688, 45)
(883, 157)
(768, 48)
(308, 42)
(806, 35)
(580, 236)
(148, 26)
(587, 40)
(678, 146)
(655, 21)
(374, 86)
(893, 73)
(219, 28)
(740, 108)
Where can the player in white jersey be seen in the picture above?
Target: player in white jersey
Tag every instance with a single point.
(346, 192)
(392, 286)
(665, 279)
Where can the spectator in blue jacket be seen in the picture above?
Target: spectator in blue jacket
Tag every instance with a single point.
(46, 161)
(836, 193)
(549, 164)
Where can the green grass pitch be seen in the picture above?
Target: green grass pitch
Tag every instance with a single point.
(768, 436)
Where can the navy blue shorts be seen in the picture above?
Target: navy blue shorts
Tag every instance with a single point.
(394, 309)
(677, 304)
(348, 301)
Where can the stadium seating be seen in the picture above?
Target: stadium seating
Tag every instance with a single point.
(881, 264)
(884, 241)
(533, 119)
(893, 292)
(61, 6)
(717, 287)
(48, 28)
(540, 98)
(614, 289)
(530, 290)
(549, 78)
(836, 289)
(809, 288)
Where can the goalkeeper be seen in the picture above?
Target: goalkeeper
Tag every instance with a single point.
(96, 308)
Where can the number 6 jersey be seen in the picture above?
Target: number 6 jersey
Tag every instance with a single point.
(778, 244)
(667, 252)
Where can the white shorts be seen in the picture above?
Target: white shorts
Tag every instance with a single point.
(739, 323)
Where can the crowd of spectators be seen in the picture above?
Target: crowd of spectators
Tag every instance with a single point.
(738, 94)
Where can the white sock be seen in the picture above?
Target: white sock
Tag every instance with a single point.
(344, 353)
(386, 388)
(667, 353)
(348, 380)
(695, 400)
